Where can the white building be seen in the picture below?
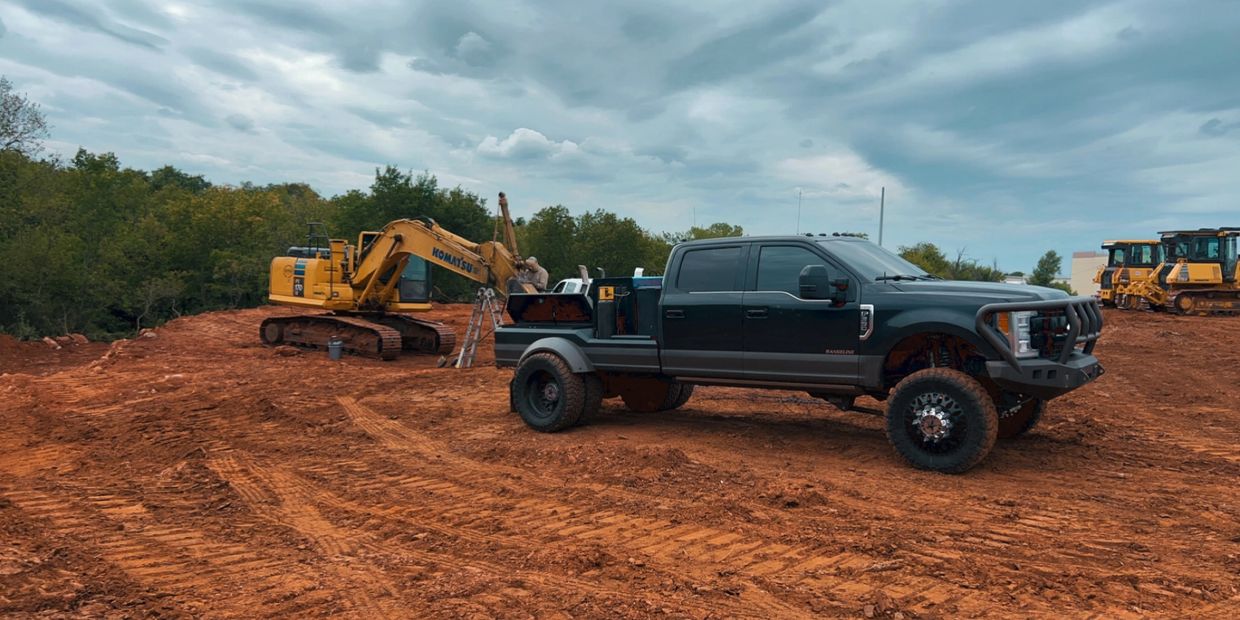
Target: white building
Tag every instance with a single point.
(1084, 266)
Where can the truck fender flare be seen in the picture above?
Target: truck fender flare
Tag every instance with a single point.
(934, 322)
(564, 349)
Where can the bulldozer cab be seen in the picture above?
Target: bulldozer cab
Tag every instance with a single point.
(1206, 245)
(1127, 260)
(1133, 254)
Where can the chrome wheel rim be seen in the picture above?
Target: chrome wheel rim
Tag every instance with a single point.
(936, 422)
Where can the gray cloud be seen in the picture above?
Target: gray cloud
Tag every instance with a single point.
(775, 38)
(300, 16)
(84, 18)
(221, 62)
(240, 122)
(1217, 128)
(992, 125)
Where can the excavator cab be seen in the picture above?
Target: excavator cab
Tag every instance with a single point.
(415, 282)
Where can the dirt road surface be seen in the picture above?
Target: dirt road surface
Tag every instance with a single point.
(200, 474)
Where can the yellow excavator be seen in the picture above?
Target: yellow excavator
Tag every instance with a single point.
(1198, 275)
(368, 289)
(1127, 261)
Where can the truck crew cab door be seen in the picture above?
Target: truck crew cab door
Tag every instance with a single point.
(700, 326)
(795, 340)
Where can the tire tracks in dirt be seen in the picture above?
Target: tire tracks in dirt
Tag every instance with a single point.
(462, 484)
(172, 559)
(295, 502)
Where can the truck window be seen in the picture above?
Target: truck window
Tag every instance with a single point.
(710, 269)
(779, 267)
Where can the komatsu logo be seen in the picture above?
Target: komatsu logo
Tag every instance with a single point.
(455, 261)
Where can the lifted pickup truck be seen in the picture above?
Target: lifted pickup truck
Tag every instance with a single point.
(958, 363)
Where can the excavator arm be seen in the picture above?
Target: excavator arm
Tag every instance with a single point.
(489, 262)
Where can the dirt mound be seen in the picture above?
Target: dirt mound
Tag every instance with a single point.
(37, 357)
(197, 472)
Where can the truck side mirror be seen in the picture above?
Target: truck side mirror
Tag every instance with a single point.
(815, 282)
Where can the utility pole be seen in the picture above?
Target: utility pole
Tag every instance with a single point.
(882, 207)
(798, 210)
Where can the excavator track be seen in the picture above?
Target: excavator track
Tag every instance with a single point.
(420, 336)
(360, 336)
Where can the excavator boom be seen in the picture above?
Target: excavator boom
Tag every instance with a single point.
(488, 263)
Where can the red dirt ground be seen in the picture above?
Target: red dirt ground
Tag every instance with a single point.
(199, 473)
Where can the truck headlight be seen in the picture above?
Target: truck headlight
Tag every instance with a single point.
(1017, 327)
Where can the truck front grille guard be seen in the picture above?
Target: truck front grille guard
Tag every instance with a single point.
(1084, 325)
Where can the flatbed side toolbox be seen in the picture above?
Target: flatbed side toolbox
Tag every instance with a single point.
(549, 308)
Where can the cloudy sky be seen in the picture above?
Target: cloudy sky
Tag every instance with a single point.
(1002, 128)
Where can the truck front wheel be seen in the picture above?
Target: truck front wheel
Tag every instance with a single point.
(942, 420)
(547, 394)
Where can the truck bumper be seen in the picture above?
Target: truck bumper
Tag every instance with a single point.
(1044, 378)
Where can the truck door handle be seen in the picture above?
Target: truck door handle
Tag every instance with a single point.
(674, 314)
(755, 313)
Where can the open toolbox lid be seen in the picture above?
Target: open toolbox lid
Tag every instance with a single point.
(549, 308)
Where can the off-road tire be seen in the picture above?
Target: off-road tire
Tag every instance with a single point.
(972, 422)
(686, 392)
(649, 396)
(547, 394)
(594, 397)
(1022, 420)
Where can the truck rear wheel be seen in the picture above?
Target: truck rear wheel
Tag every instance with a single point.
(547, 394)
(648, 395)
(686, 392)
(942, 420)
(1022, 420)
(594, 397)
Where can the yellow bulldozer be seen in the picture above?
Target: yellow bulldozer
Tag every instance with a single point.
(1198, 275)
(1127, 261)
(368, 289)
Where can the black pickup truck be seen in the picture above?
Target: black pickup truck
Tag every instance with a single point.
(958, 363)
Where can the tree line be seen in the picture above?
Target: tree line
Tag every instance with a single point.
(88, 245)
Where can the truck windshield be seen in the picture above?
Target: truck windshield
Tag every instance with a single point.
(872, 261)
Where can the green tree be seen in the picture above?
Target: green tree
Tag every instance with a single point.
(550, 235)
(23, 127)
(929, 257)
(717, 230)
(606, 240)
(1047, 269)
